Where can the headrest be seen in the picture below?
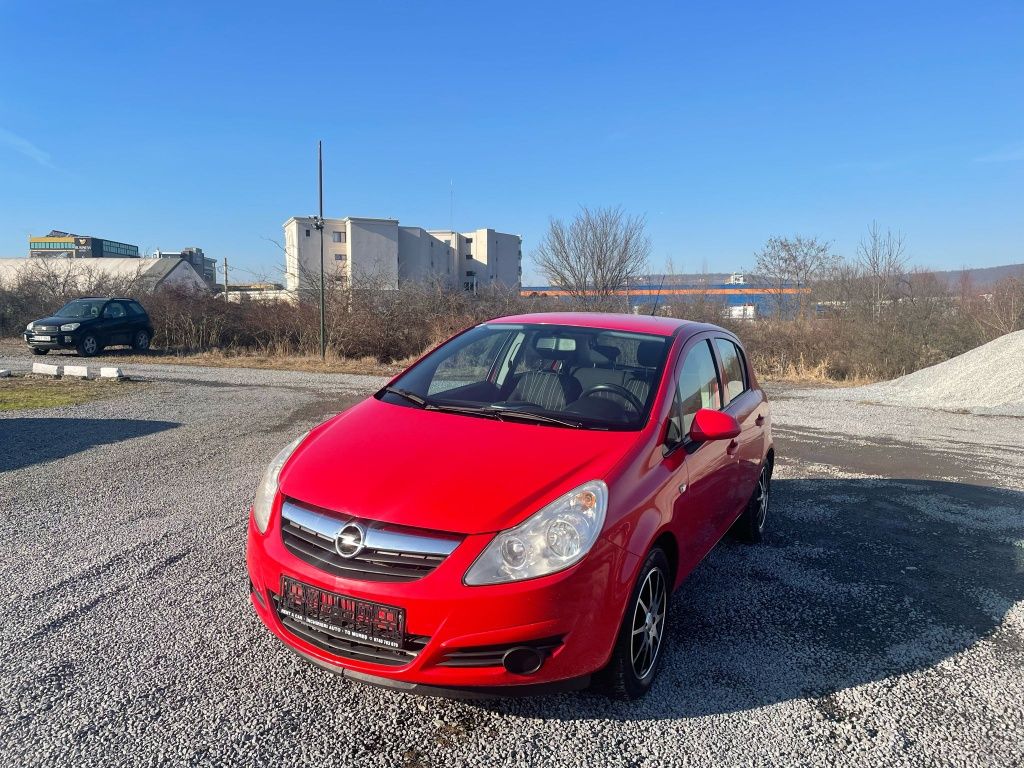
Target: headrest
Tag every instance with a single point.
(597, 355)
(648, 353)
(554, 347)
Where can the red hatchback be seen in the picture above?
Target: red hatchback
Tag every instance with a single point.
(513, 512)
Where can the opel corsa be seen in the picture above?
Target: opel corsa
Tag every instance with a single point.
(512, 514)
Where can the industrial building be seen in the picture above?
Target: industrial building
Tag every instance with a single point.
(739, 299)
(384, 254)
(68, 245)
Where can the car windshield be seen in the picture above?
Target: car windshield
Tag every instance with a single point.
(82, 308)
(566, 376)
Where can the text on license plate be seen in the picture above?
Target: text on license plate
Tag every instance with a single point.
(362, 620)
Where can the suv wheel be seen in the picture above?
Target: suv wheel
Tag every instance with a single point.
(88, 345)
(141, 341)
(750, 525)
(38, 351)
(637, 651)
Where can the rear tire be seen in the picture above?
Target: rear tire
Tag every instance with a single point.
(637, 653)
(88, 345)
(37, 351)
(140, 341)
(750, 526)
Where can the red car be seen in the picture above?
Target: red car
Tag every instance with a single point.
(512, 513)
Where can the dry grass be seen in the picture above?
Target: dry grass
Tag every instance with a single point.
(20, 393)
(820, 374)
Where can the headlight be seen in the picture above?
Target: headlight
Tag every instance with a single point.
(549, 541)
(267, 490)
(28, 327)
(70, 326)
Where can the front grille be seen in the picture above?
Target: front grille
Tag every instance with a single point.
(346, 647)
(45, 329)
(492, 655)
(390, 553)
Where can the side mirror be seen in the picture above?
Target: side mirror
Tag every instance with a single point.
(713, 425)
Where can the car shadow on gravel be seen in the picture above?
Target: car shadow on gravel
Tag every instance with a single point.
(857, 581)
(25, 442)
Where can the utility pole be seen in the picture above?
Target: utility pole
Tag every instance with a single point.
(225, 278)
(318, 222)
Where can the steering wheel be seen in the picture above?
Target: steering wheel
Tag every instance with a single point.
(615, 389)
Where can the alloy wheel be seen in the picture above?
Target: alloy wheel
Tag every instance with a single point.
(762, 498)
(142, 340)
(89, 345)
(648, 628)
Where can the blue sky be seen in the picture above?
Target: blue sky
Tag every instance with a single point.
(195, 123)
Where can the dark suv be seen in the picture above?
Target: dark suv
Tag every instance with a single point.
(89, 325)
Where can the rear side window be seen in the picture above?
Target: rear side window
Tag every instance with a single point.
(733, 368)
(698, 384)
(135, 308)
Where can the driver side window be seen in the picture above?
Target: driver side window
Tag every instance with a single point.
(698, 384)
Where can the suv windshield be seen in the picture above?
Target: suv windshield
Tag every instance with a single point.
(82, 308)
(552, 374)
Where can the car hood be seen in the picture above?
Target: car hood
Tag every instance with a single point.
(441, 471)
(58, 321)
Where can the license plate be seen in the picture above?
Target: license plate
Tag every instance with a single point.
(42, 338)
(362, 620)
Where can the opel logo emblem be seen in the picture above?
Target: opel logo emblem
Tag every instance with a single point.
(350, 540)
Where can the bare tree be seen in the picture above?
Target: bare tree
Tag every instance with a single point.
(884, 262)
(595, 255)
(787, 263)
(1001, 309)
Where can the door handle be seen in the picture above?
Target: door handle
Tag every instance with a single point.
(759, 420)
(732, 448)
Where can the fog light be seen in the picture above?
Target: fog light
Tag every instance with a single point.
(522, 660)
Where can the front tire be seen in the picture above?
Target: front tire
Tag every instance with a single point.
(88, 345)
(637, 653)
(750, 525)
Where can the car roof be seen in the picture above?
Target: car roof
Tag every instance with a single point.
(654, 324)
(103, 298)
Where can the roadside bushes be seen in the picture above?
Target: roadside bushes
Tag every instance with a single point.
(857, 333)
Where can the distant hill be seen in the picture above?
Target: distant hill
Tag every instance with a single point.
(982, 276)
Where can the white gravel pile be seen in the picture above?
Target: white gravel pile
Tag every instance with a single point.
(986, 380)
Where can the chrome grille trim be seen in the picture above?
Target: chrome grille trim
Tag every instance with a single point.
(378, 538)
(389, 552)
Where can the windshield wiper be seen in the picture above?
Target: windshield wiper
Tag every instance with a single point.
(538, 417)
(412, 397)
(470, 410)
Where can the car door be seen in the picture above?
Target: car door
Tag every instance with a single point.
(114, 323)
(703, 471)
(743, 404)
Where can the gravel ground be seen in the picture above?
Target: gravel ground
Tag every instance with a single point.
(882, 622)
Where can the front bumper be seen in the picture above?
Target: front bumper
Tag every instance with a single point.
(583, 606)
(57, 340)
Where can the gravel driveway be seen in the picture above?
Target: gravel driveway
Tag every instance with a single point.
(882, 621)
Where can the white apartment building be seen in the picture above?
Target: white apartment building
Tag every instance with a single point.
(382, 253)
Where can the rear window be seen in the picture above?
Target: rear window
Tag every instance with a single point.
(733, 368)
